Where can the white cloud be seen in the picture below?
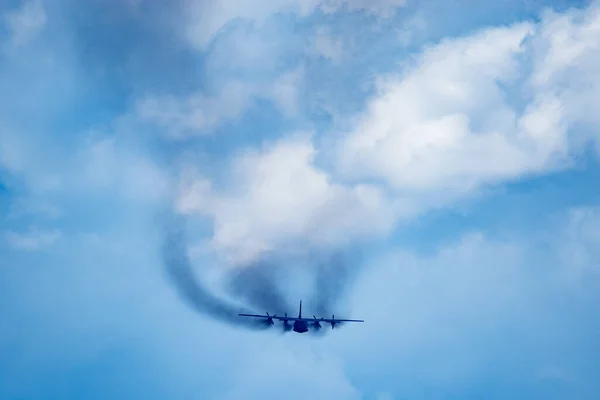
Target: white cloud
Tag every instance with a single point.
(566, 42)
(567, 63)
(206, 19)
(25, 23)
(442, 129)
(32, 240)
(249, 48)
(381, 8)
(278, 197)
(200, 114)
(445, 124)
(285, 91)
(411, 29)
(327, 46)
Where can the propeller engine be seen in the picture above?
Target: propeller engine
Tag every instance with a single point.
(286, 325)
(333, 322)
(270, 319)
(316, 324)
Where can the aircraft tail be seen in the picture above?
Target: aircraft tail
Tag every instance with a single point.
(300, 313)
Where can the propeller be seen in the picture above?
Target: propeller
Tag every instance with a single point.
(333, 323)
(286, 325)
(316, 324)
(270, 319)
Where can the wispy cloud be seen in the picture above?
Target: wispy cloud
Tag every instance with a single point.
(32, 240)
(327, 46)
(25, 22)
(205, 21)
(199, 114)
(32, 206)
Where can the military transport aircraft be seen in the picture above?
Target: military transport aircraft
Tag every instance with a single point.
(301, 324)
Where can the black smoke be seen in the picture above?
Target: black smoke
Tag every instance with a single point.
(334, 275)
(259, 285)
(256, 284)
(181, 274)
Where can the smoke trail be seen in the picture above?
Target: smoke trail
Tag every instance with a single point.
(333, 277)
(258, 285)
(180, 272)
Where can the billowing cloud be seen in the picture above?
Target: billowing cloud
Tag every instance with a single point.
(465, 114)
(445, 125)
(454, 120)
(566, 56)
(278, 197)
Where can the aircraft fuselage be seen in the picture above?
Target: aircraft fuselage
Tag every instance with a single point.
(300, 326)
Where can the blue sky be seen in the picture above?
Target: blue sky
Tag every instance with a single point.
(441, 158)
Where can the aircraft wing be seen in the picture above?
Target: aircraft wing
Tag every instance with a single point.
(259, 316)
(329, 320)
(275, 317)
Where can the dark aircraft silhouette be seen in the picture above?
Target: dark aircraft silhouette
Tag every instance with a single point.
(301, 324)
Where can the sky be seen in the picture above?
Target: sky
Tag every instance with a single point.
(431, 167)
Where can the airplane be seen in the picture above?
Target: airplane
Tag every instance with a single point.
(301, 324)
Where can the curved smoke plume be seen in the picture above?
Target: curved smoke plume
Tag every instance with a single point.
(255, 284)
